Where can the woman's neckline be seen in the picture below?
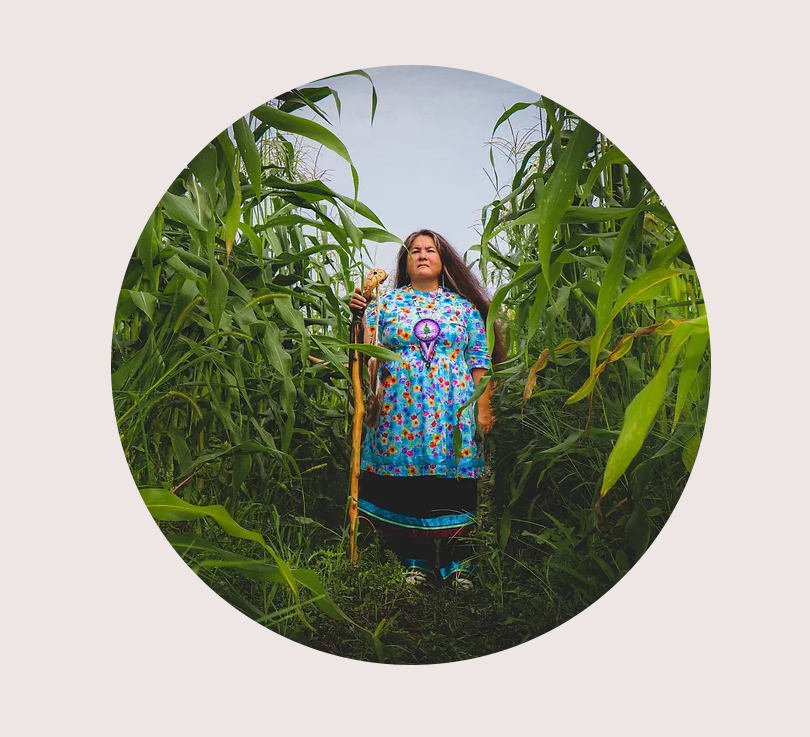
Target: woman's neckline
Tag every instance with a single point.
(437, 291)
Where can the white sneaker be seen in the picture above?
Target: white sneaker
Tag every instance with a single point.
(415, 577)
(462, 583)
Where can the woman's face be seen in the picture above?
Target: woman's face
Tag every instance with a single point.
(424, 261)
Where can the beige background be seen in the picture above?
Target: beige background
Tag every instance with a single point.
(107, 632)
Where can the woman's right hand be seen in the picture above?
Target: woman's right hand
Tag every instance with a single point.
(358, 303)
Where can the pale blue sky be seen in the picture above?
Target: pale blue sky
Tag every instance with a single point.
(421, 164)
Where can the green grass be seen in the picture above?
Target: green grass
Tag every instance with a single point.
(553, 567)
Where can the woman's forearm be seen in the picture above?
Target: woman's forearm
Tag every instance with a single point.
(483, 400)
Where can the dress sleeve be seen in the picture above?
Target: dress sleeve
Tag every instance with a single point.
(476, 353)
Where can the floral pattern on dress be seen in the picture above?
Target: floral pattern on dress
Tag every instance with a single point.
(414, 436)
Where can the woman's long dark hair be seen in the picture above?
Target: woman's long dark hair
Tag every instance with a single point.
(458, 277)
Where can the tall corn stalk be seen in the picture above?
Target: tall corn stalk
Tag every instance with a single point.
(595, 281)
(231, 333)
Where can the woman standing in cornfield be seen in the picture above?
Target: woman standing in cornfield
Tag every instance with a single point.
(413, 486)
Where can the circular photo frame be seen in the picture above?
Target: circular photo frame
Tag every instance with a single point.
(411, 365)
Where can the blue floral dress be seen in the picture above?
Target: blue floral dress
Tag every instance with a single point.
(414, 436)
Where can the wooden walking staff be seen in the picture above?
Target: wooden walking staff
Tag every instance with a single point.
(373, 280)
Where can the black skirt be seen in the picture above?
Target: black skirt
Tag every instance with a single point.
(418, 506)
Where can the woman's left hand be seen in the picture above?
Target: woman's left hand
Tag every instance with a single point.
(485, 420)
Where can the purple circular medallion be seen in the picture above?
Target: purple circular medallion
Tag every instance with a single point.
(427, 332)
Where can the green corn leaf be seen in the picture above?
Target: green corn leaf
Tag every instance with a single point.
(328, 606)
(637, 529)
(237, 287)
(378, 235)
(290, 123)
(586, 388)
(167, 507)
(335, 361)
(282, 363)
(375, 351)
(144, 301)
(289, 257)
(181, 266)
(250, 154)
(217, 293)
(248, 567)
(261, 571)
(321, 191)
(298, 98)
(613, 156)
(365, 75)
(593, 262)
(349, 226)
(518, 106)
(637, 291)
(295, 320)
(525, 272)
(457, 443)
(537, 308)
(279, 358)
(181, 209)
(476, 395)
(234, 215)
(204, 167)
(558, 192)
(690, 450)
(241, 468)
(516, 492)
(615, 270)
(254, 240)
(280, 615)
(504, 528)
(228, 149)
(310, 579)
(144, 250)
(180, 447)
(550, 108)
(641, 411)
(191, 259)
(622, 349)
(564, 446)
(127, 369)
(665, 256)
(322, 223)
(689, 369)
(580, 214)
